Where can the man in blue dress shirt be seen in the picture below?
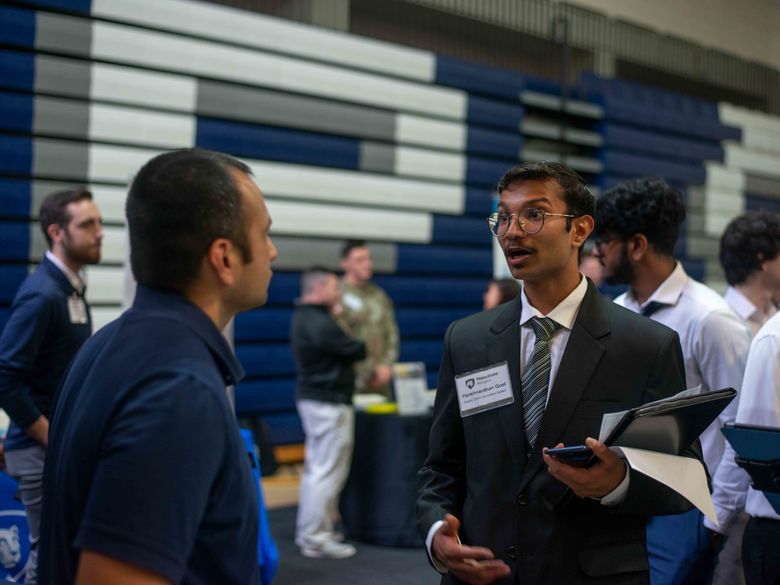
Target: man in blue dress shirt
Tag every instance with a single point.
(49, 322)
(148, 480)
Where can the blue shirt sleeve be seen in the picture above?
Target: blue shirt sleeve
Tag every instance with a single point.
(154, 476)
(19, 344)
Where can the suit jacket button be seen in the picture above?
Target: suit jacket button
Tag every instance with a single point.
(511, 552)
(522, 499)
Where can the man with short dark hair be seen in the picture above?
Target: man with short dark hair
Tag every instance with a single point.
(637, 226)
(368, 313)
(49, 321)
(541, 372)
(324, 356)
(750, 256)
(147, 477)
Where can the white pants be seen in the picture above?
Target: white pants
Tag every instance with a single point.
(329, 430)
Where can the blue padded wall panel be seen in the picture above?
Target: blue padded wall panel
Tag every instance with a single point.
(78, 6)
(267, 143)
(16, 112)
(266, 359)
(264, 324)
(460, 230)
(477, 78)
(14, 240)
(17, 27)
(15, 198)
(17, 70)
(760, 203)
(492, 113)
(428, 352)
(11, 278)
(419, 291)
(429, 322)
(265, 396)
(480, 201)
(284, 287)
(285, 428)
(424, 259)
(486, 172)
(15, 155)
(642, 141)
(695, 269)
(629, 165)
(492, 143)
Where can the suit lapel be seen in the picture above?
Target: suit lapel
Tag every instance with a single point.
(506, 346)
(580, 359)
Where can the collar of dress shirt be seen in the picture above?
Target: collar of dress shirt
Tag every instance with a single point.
(740, 304)
(668, 292)
(564, 313)
(75, 280)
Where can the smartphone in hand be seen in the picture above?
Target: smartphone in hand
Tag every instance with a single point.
(576, 456)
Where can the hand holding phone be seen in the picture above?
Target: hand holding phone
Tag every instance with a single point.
(576, 456)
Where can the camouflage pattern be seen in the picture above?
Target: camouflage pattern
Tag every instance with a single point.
(368, 315)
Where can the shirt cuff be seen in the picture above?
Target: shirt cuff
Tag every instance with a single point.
(616, 496)
(428, 542)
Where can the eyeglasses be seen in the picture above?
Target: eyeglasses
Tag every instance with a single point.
(531, 220)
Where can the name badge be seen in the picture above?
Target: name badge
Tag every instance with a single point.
(484, 389)
(351, 301)
(77, 310)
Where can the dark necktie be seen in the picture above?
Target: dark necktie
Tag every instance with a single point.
(536, 377)
(651, 308)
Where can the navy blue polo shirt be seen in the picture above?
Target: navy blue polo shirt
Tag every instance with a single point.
(145, 462)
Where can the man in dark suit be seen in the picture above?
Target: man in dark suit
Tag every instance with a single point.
(536, 372)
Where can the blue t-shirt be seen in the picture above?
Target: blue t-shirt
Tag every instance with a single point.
(145, 462)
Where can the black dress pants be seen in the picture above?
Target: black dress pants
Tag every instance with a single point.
(761, 551)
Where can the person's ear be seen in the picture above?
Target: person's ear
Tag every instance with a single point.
(637, 247)
(223, 260)
(55, 232)
(581, 228)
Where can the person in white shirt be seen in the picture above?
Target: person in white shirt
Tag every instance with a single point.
(750, 256)
(637, 226)
(759, 404)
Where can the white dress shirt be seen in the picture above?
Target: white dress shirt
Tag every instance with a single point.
(759, 404)
(76, 280)
(714, 343)
(751, 315)
(565, 313)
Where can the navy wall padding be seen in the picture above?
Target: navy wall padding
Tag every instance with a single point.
(266, 359)
(15, 155)
(254, 396)
(15, 198)
(755, 202)
(431, 322)
(284, 287)
(663, 145)
(263, 324)
(479, 201)
(631, 166)
(267, 143)
(489, 112)
(420, 291)
(460, 230)
(486, 172)
(14, 241)
(17, 70)
(493, 143)
(444, 260)
(477, 78)
(285, 428)
(695, 268)
(11, 278)
(77, 6)
(16, 111)
(17, 27)
(428, 352)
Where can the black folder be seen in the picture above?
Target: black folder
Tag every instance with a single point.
(670, 425)
(758, 452)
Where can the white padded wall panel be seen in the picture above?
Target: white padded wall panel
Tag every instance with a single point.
(128, 85)
(167, 51)
(111, 202)
(751, 160)
(114, 248)
(410, 129)
(102, 316)
(417, 162)
(719, 176)
(116, 163)
(737, 116)
(105, 284)
(144, 128)
(340, 221)
(361, 188)
(761, 139)
(273, 34)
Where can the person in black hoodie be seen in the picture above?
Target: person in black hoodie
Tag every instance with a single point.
(324, 355)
